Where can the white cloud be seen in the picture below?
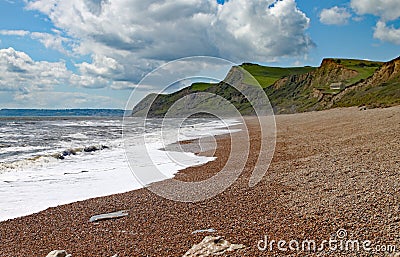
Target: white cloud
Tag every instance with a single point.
(135, 36)
(387, 10)
(89, 81)
(20, 73)
(37, 84)
(122, 85)
(14, 32)
(261, 30)
(101, 66)
(51, 41)
(101, 72)
(334, 16)
(63, 100)
(387, 34)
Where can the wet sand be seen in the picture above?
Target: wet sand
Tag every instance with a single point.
(332, 170)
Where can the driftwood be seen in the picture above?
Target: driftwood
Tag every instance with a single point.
(209, 230)
(108, 216)
(62, 253)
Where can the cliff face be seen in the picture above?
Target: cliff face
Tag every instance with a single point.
(382, 89)
(389, 71)
(142, 108)
(331, 72)
(360, 83)
(191, 100)
(308, 92)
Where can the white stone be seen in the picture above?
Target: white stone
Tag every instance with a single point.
(57, 253)
(212, 246)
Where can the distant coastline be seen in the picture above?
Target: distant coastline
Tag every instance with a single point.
(62, 112)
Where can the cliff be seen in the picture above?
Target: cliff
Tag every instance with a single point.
(335, 83)
(382, 89)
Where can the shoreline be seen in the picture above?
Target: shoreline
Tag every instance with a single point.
(77, 178)
(331, 169)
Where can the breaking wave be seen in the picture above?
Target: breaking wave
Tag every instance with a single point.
(40, 161)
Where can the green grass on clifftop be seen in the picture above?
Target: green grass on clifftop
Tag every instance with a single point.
(267, 76)
(201, 86)
(364, 68)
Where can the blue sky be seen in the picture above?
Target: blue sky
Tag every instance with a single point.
(92, 53)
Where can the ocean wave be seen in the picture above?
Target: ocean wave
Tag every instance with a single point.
(38, 161)
(76, 136)
(47, 159)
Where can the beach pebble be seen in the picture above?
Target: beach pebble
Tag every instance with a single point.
(58, 253)
(212, 246)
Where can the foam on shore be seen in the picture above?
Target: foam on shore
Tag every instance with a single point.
(32, 187)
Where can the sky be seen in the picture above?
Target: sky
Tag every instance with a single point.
(57, 54)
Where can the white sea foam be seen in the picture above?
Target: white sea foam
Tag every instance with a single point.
(34, 185)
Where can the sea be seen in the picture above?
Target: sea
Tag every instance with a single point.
(54, 157)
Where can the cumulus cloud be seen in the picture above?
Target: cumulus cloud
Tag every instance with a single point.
(334, 16)
(89, 81)
(33, 84)
(135, 36)
(20, 73)
(101, 72)
(387, 10)
(101, 66)
(261, 30)
(387, 34)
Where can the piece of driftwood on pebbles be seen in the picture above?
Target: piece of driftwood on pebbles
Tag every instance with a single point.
(107, 216)
(63, 253)
(211, 246)
(208, 230)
